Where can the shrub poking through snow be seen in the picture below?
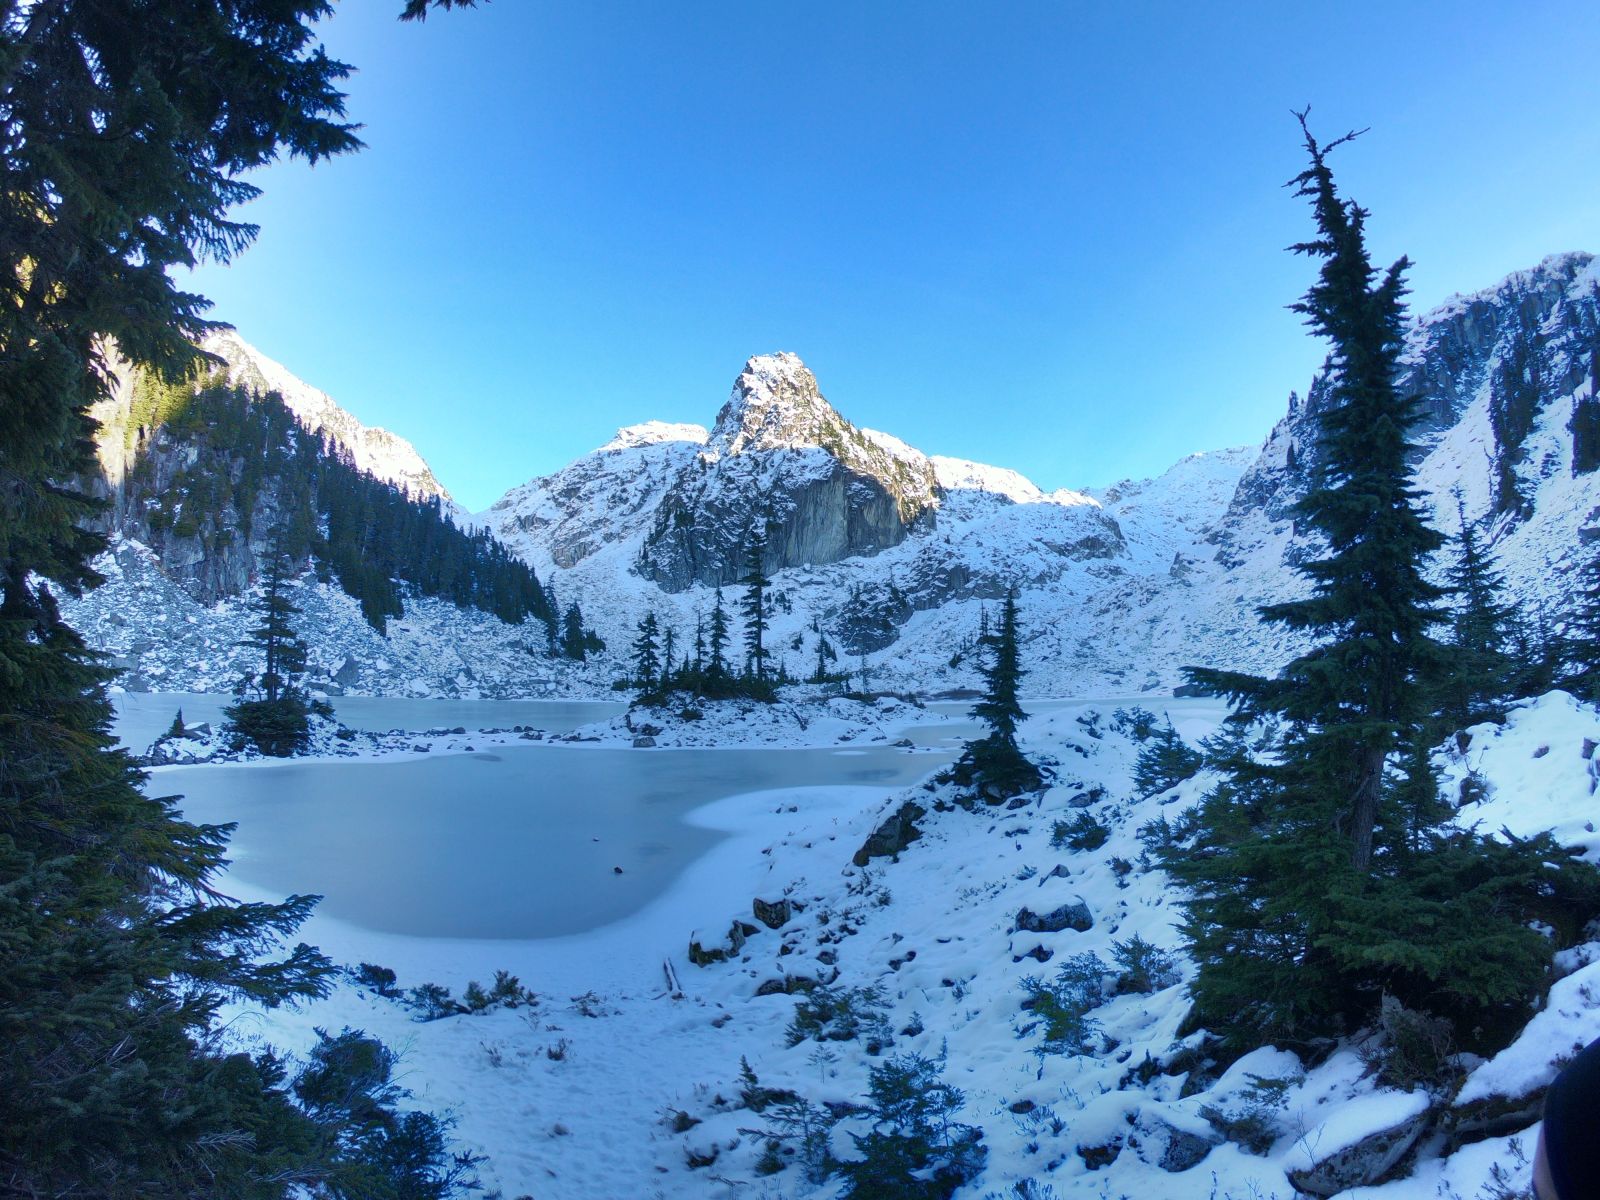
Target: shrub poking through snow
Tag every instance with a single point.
(380, 979)
(1166, 761)
(915, 1150)
(1083, 832)
(831, 1014)
(1251, 1119)
(1145, 968)
(799, 1131)
(1137, 723)
(1063, 1004)
(1411, 1049)
(347, 1086)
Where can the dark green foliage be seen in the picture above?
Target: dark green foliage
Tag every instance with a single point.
(177, 728)
(1137, 723)
(754, 606)
(251, 452)
(1319, 874)
(1063, 1003)
(1480, 673)
(916, 1149)
(380, 1153)
(272, 713)
(1083, 832)
(1514, 392)
(128, 130)
(1579, 647)
(1411, 1049)
(578, 641)
(994, 763)
(647, 671)
(1145, 968)
(829, 1014)
(1585, 422)
(1166, 761)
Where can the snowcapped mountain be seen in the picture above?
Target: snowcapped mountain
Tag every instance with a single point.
(893, 555)
(378, 452)
(890, 557)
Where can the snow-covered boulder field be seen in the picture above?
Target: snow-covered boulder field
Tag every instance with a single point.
(637, 1071)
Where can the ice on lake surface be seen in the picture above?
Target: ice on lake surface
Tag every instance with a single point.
(144, 716)
(518, 843)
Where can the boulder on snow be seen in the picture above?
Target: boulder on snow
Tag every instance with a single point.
(897, 832)
(1173, 1139)
(774, 914)
(1074, 915)
(643, 742)
(1360, 1144)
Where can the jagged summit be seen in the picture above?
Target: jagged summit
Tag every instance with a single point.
(775, 404)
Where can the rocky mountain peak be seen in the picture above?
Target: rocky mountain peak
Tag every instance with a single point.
(775, 405)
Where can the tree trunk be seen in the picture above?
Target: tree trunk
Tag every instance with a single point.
(1364, 805)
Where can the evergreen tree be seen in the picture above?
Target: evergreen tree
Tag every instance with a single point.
(753, 607)
(1164, 762)
(826, 655)
(717, 637)
(128, 129)
(578, 641)
(669, 652)
(1580, 640)
(646, 658)
(994, 762)
(272, 713)
(1295, 900)
(1480, 673)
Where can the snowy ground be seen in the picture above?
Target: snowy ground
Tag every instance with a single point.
(579, 1095)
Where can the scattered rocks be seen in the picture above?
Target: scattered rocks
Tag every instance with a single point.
(897, 832)
(1362, 1162)
(1074, 915)
(774, 914)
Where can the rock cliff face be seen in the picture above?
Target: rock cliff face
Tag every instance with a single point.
(1512, 354)
(210, 511)
(780, 458)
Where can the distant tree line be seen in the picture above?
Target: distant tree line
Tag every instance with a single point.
(372, 537)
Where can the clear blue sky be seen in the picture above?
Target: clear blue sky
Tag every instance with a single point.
(1044, 235)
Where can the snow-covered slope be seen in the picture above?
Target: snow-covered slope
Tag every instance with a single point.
(629, 1075)
(378, 452)
(891, 557)
(1122, 587)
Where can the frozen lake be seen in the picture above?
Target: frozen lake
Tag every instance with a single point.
(518, 843)
(144, 716)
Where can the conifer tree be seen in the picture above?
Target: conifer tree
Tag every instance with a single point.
(646, 658)
(272, 713)
(995, 763)
(127, 130)
(1480, 673)
(753, 606)
(1293, 908)
(1164, 762)
(717, 641)
(574, 638)
(1580, 640)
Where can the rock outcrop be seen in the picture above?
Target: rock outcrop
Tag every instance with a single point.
(781, 459)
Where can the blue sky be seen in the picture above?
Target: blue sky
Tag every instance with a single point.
(1044, 235)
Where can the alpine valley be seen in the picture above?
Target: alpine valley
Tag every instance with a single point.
(767, 945)
(890, 557)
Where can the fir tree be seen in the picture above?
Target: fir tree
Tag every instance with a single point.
(646, 659)
(994, 762)
(1305, 862)
(717, 637)
(1164, 762)
(271, 712)
(753, 606)
(669, 652)
(1480, 673)
(574, 638)
(1580, 640)
(128, 130)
